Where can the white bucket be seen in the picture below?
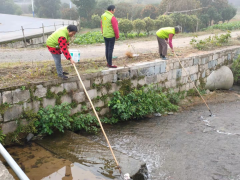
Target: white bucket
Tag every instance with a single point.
(75, 55)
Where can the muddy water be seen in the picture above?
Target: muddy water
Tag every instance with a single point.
(185, 146)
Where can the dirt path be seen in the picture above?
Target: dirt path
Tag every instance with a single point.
(95, 51)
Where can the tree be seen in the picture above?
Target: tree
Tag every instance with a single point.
(125, 26)
(164, 21)
(149, 11)
(123, 10)
(85, 7)
(149, 24)
(103, 4)
(47, 8)
(139, 25)
(228, 13)
(68, 13)
(8, 7)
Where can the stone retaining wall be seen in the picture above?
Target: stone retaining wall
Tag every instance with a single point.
(100, 86)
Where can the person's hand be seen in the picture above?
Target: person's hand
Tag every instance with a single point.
(172, 50)
(167, 42)
(117, 39)
(72, 61)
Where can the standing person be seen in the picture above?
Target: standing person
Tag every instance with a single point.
(109, 26)
(58, 43)
(164, 37)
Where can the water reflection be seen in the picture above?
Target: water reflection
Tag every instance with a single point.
(76, 171)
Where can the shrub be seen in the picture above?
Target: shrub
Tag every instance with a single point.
(149, 24)
(54, 118)
(96, 21)
(165, 21)
(150, 11)
(236, 69)
(125, 26)
(139, 25)
(139, 103)
(2, 136)
(211, 42)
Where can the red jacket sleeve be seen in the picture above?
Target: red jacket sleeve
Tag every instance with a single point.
(170, 40)
(115, 27)
(63, 46)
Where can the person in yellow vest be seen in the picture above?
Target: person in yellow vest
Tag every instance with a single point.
(164, 37)
(58, 43)
(109, 26)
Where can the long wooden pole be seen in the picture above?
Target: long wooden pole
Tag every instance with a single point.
(95, 112)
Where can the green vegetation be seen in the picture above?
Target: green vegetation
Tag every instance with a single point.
(139, 103)
(236, 69)
(9, 7)
(96, 37)
(2, 136)
(211, 42)
(226, 26)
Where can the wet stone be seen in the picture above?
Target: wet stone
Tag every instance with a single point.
(40, 91)
(13, 113)
(19, 95)
(4, 174)
(7, 97)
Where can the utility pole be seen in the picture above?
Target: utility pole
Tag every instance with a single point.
(70, 9)
(33, 7)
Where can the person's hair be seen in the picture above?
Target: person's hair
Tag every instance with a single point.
(178, 29)
(72, 28)
(111, 8)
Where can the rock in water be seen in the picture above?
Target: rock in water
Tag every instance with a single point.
(220, 79)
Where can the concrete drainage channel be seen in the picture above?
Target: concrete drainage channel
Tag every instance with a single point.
(81, 150)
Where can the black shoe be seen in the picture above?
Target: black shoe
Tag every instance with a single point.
(63, 77)
(161, 55)
(65, 73)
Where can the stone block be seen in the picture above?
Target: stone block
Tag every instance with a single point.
(19, 95)
(204, 74)
(215, 56)
(170, 75)
(183, 88)
(162, 77)
(149, 71)
(1, 119)
(36, 106)
(92, 93)
(57, 89)
(229, 57)
(133, 73)
(102, 92)
(114, 88)
(49, 102)
(171, 66)
(187, 86)
(173, 83)
(13, 113)
(108, 78)
(142, 82)
(79, 97)
(134, 83)
(7, 97)
(0, 98)
(86, 83)
(157, 69)
(151, 79)
(40, 91)
(163, 67)
(193, 69)
(195, 61)
(27, 106)
(76, 109)
(66, 99)
(178, 73)
(115, 78)
(168, 84)
(71, 86)
(9, 127)
(204, 60)
(184, 80)
(98, 80)
(99, 104)
(193, 77)
(176, 65)
(123, 75)
(104, 111)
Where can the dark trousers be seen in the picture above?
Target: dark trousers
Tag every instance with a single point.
(162, 46)
(109, 44)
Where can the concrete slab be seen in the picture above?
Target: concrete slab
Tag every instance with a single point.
(4, 174)
(86, 152)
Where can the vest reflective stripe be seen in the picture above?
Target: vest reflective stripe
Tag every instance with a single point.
(163, 33)
(108, 31)
(52, 40)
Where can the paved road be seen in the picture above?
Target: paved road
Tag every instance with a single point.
(94, 51)
(14, 23)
